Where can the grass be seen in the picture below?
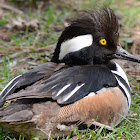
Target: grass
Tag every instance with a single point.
(30, 51)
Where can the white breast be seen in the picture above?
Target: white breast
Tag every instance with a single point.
(119, 72)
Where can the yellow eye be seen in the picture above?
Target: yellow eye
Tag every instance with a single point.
(103, 42)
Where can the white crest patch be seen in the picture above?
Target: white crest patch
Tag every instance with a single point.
(75, 44)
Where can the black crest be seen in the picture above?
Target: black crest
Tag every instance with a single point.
(100, 22)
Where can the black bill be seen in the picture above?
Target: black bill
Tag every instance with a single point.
(122, 54)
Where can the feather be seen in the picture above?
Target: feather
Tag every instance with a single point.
(68, 85)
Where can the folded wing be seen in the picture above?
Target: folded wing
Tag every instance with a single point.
(65, 85)
(25, 80)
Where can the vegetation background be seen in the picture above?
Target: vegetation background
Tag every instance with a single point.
(29, 30)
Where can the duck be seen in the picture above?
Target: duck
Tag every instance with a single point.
(81, 86)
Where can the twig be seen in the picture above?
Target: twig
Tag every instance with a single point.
(37, 36)
(45, 133)
(13, 9)
(28, 50)
(49, 47)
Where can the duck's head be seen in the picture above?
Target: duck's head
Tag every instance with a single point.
(91, 38)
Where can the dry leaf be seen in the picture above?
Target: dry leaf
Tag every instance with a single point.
(21, 24)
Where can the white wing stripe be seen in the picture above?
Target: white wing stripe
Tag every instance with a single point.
(61, 90)
(72, 93)
(10, 89)
(9, 84)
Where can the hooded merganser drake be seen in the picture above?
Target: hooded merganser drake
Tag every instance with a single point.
(81, 86)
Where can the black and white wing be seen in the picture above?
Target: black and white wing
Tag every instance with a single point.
(27, 79)
(68, 85)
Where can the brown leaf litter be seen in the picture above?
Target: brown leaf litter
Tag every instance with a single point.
(20, 24)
